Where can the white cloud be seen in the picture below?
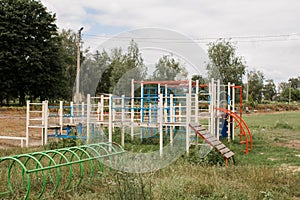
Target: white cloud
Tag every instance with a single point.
(197, 19)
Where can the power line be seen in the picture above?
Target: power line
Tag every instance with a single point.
(251, 38)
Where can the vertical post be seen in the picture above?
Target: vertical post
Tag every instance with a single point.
(142, 109)
(45, 122)
(27, 122)
(212, 105)
(123, 119)
(197, 102)
(233, 109)
(188, 113)
(61, 116)
(218, 93)
(110, 122)
(142, 102)
(132, 109)
(88, 114)
(197, 108)
(160, 107)
(229, 108)
(102, 108)
(72, 111)
(171, 118)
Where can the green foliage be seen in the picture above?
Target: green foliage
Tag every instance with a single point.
(30, 52)
(168, 68)
(269, 90)
(213, 158)
(69, 52)
(199, 78)
(224, 64)
(63, 143)
(118, 68)
(256, 85)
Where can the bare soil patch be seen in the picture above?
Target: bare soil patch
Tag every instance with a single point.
(295, 144)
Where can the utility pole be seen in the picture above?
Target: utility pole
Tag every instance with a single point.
(77, 94)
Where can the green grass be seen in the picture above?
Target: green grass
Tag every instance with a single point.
(267, 172)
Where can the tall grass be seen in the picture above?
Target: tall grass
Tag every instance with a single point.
(267, 172)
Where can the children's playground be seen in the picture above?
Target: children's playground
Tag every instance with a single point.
(165, 111)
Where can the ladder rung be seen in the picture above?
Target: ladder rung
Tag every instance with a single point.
(228, 154)
(224, 151)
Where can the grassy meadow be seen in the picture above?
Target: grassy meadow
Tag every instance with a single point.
(270, 171)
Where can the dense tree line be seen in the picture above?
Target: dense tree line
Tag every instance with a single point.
(30, 52)
(39, 62)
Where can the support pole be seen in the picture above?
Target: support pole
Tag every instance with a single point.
(123, 119)
(110, 122)
(27, 122)
(188, 113)
(229, 108)
(233, 108)
(218, 106)
(132, 109)
(171, 118)
(61, 116)
(88, 114)
(160, 107)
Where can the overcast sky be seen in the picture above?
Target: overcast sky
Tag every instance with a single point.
(266, 32)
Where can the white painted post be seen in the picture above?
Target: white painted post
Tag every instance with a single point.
(61, 116)
(88, 114)
(132, 109)
(122, 119)
(212, 105)
(110, 122)
(72, 111)
(160, 106)
(188, 112)
(197, 102)
(142, 109)
(218, 106)
(171, 118)
(46, 121)
(233, 109)
(102, 108)
(197, 108)
(229, 108)
(27, 122)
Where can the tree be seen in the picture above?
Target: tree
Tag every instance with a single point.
(269, 90)
(256, 84)
(224, 64)
(69, 52)
(168, 68)
(30, 51)
(199, 78)
(290, 90)
(118, 68)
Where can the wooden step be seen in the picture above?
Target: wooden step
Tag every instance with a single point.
(228, 154)
(224, 151)
(221, 146)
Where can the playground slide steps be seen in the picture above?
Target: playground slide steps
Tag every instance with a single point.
(213, 142)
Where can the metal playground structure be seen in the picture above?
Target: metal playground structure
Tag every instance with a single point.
(154, 109)
(160, 110)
